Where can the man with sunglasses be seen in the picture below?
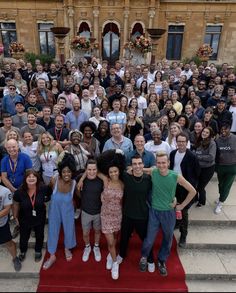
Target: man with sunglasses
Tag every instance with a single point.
(9, 101)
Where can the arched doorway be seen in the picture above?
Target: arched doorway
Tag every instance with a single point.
(111, 43)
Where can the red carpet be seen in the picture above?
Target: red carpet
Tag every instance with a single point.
(76, 276)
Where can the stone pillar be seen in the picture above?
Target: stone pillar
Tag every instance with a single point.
(126, 29)
(151, 14)
(96, 29)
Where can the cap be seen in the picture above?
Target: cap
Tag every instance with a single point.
(8, 79)
(208, 68)
(222, 99)
(19, 102)
(230, 66)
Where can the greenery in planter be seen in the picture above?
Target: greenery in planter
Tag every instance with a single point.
(44, 58)
(195, 59)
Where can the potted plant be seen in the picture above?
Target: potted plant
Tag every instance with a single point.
(80, 43)
(17, 50)
(204, 52)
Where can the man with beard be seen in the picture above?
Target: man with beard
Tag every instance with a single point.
(59, 133)
(75, 117)
(32, 127)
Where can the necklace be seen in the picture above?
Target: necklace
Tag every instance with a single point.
(138, 181)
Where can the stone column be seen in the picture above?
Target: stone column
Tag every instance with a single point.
(151, 14)
(96, 29)
(126, 31)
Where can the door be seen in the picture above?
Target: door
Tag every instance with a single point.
(111, 43)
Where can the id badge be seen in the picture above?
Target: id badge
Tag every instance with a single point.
(34, 213)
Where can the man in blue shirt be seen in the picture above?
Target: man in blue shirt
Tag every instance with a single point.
(75, 117)
(148, 158)
(118, 141)
(9, 101)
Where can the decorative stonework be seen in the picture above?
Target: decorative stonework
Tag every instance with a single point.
(96, 13)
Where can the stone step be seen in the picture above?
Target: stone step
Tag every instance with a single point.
(30, 269)
(211, 285)
(210, 237)
(207, 264)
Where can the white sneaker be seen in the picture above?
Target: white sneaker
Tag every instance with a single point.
(218, 208)
(97, 253)
(115, 271)
(86, 253)
(151, 267)
(77, 214)
(109, 262)
(119, 259)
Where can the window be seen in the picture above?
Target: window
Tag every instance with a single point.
(84, 30)
(46, 39)
(174, 43)
(137, 31)
(212, 37)
(8, 34)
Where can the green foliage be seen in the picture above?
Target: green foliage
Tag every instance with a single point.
(44, 58)
(194, 58)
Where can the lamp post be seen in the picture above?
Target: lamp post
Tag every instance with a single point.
(155, 35)
(60, 33)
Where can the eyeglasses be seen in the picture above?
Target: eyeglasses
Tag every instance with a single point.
(201, 83)
(12, 88)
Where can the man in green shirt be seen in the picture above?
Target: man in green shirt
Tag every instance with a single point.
(162, 213)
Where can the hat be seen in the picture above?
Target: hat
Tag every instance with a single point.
(209, 68)
(222, 99)
(8, 79)
(230, 66)
(19, 102)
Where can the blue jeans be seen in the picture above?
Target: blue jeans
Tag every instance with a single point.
(166, 220)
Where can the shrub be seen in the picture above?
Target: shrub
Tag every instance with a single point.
(44, 58)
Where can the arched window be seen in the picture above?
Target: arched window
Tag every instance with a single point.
(84, 30)
(111, 42)
(137, 31)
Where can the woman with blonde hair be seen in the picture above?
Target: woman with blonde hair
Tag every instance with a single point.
(163, 125)
(134, 125)
(152, 114)
(174, 130)
(48, 152)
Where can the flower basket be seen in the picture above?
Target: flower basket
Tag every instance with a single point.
(18, 55)
(80, 43)
(204, 52)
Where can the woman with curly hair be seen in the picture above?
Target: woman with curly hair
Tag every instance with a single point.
(61, 210)
(111, 164)
(88, 128)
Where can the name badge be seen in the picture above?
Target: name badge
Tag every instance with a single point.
(34, 213)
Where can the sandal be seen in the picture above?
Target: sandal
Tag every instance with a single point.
(68, 255)
(49, 263)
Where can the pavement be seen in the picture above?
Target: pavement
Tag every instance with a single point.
(209, 260)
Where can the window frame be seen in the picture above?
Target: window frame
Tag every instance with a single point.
(47, 32)
(175, 33)
(213, 34)
(6, 52)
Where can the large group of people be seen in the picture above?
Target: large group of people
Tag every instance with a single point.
(128, 147)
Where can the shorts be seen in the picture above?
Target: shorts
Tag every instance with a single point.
(5, 234)
(88, 221)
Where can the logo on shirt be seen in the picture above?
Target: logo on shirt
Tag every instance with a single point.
(9, 196)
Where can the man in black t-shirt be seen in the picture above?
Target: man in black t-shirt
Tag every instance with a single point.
(91, 209)
(137, 192)
(59, 132)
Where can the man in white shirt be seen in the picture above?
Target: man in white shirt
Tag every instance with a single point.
(157, 145)
(142, 102)
(86, 103)
(144, 77)
(232, 109)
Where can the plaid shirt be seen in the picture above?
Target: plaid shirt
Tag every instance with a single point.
(40, 99)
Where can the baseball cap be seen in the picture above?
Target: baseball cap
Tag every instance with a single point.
(19, 102)
(208, 68)
(8, 79)
(230, 66)
(222, 99)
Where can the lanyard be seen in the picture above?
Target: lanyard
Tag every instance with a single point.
(46, 157)
(58, 137)
(32, 199)
(13, 166)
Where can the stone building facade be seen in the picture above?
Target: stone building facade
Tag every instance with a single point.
(112, 23)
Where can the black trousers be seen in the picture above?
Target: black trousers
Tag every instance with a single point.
(204, 178)
(25, 231)
(128, 226)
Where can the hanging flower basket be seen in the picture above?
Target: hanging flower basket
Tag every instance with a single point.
(204, 52)
(80, 43)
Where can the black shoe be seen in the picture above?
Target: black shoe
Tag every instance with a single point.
(17, 264)
(199, 205)
(143, 264)
(162, 268)
(38, 256)
(22, 256)
(182, 242)
(15, 232)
